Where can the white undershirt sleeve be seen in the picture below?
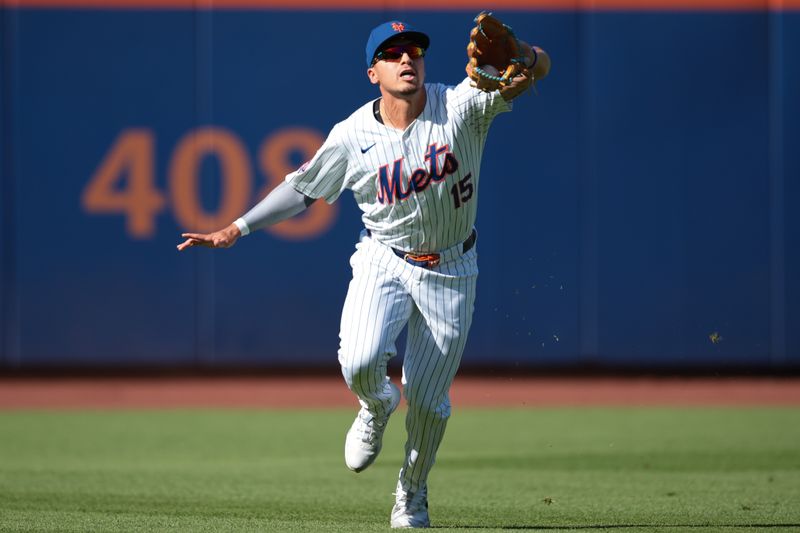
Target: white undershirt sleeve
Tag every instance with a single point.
(244, 229)
(282, 203)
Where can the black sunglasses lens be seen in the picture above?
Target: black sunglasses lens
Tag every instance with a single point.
(396, 52)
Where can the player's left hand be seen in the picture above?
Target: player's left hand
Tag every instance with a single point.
(519, 84)
(224, 238)
(494, 54)
(500, 61)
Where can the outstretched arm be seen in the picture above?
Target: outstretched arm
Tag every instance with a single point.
(282, 203)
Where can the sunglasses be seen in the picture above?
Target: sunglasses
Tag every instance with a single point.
(394, 53)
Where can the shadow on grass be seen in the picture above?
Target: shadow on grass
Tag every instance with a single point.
(621, 526)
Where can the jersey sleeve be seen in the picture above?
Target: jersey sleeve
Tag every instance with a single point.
(324, 175)
(478, 108)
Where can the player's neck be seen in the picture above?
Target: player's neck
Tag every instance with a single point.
(400, 112)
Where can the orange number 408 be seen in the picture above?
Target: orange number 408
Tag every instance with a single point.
(124, 182)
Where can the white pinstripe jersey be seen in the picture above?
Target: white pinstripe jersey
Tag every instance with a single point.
(418, 189)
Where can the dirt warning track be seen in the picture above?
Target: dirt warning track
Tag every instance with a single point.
(331, 392)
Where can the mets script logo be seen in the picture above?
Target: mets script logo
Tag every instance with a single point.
(398, 26)
(441, 163)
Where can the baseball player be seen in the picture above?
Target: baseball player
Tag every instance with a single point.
(412, 160)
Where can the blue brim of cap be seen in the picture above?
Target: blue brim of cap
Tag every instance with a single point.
(384, 33)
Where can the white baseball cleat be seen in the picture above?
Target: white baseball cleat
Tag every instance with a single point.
(365, 437)
(410, 508)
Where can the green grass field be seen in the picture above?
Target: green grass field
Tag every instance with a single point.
(697, 469)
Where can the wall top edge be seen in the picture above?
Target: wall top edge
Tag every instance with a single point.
(422, 5)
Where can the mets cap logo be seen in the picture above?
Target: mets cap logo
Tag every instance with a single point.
(398, 26)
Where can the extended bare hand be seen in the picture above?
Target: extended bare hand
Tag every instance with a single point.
(224, 238)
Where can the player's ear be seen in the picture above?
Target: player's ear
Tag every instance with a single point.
(372, 75)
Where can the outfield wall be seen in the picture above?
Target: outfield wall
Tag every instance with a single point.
(638, 213)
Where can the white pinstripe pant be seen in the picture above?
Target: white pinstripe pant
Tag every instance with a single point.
(385, 294)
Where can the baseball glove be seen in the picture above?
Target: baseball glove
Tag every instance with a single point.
(495, 54)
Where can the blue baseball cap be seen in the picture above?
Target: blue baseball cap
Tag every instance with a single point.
(389, 30)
